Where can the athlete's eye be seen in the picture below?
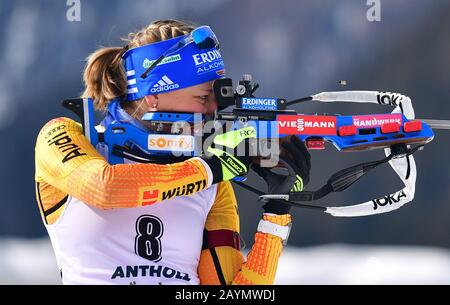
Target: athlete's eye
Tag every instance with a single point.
(202, 98)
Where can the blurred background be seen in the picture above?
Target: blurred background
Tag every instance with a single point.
(292, 49)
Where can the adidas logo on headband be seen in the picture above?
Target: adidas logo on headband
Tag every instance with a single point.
(164, 84)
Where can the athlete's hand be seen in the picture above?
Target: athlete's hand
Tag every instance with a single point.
(230, 154)
(296, 159)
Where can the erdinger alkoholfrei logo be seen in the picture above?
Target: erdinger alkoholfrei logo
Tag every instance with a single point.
(208, 61)
(259, 103)
(307, 124)
(164, 84)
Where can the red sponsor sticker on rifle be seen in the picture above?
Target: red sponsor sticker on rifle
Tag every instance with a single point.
(306, 124)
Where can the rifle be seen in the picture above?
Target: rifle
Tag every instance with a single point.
(398, 133)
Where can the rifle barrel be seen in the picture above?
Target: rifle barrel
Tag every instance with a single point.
(437, 124)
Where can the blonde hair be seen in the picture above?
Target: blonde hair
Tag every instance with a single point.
(104, 76)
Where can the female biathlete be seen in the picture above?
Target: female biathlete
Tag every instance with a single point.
(156, 223)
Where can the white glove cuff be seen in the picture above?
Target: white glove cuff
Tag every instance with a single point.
(265, 226)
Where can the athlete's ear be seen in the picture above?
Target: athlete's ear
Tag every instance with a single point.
(151, 99)
(151, 102)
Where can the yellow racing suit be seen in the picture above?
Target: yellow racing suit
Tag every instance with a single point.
(68, 165)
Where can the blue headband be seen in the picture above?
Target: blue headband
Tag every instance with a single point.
(186, 67)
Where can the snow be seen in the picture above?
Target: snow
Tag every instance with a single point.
(348, 264)
(24, 261)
